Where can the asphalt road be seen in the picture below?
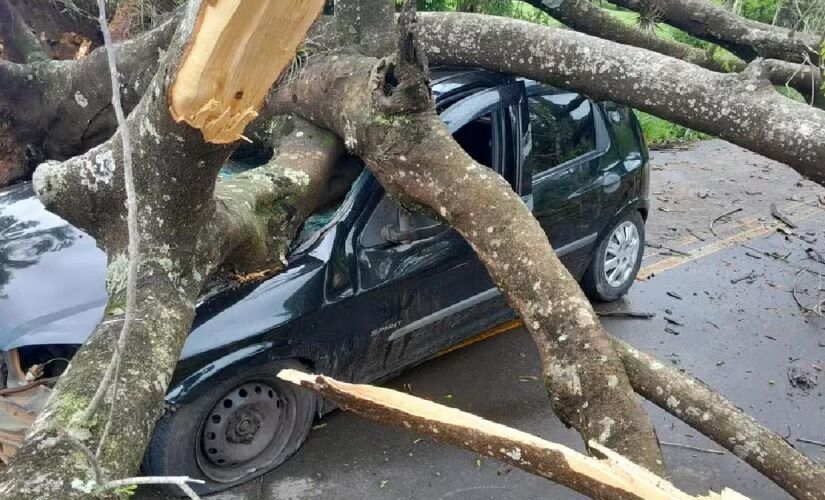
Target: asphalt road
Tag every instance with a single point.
(737, 326)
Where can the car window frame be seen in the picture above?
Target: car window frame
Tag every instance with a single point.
(471, 107)
(602, 135)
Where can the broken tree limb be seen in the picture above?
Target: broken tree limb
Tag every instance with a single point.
(614, 477)
(747, 112)
(232, 61)
(707, 411)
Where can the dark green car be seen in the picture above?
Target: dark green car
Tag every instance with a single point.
(370, 289)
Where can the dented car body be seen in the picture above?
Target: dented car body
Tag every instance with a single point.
(369, 289)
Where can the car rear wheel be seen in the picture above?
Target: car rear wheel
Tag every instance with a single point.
(238, 430)
(617, 260)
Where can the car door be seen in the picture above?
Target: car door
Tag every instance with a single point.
(568, 138)
(418, 279)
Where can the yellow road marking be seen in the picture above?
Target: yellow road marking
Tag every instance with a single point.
(761, 229)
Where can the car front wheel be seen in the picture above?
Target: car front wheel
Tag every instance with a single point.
(239, 429)
(617, 260)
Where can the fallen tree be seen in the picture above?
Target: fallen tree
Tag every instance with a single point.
(378, 103)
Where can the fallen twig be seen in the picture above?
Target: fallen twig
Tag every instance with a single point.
(750, 277)
(720, 216)
(179, 481)
(810, 441)
(782, 217)
(816, 309)
(625, 314)
(694, 234)
(694, 448)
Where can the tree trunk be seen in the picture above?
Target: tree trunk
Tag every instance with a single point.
(186, 231)
(743, 109)
(19, 43)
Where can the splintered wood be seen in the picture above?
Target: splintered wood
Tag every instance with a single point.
(611, 477)
(238, 50)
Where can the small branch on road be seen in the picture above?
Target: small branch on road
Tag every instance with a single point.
(625, 314)
(689, 447)
(722, 216)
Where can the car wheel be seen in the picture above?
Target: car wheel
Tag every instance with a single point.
(617, 260)
(236, 431)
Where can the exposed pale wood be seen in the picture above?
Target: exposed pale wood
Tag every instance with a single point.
(237, 52)
(612, 477)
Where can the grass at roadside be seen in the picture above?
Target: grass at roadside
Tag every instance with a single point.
(662, 133)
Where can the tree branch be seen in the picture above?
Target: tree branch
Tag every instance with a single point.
(707, 411)
(746, 112)
(22, 44)
(613, 477)
(584, 16)
(415, 158)
(745, 38)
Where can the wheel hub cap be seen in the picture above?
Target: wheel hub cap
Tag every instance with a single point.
(241, 424)
(621, 254)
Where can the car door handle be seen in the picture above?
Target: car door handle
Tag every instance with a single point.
(611, 182)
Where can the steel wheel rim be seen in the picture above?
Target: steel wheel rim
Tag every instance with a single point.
(244, 431)
(621, 254)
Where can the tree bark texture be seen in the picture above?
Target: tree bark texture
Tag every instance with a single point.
(19, 41)
(745, 38)
(584, 16)
(696, 404)
(59, 109)
(187, 227)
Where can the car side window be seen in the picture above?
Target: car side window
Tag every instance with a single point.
(391, 223)
(563, 128)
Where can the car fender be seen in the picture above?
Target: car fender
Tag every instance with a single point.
(318, 357)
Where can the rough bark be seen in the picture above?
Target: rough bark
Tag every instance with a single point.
(394, 129)
(613, 477)
(59, 109)
(745, 38)
(187, 227)
(805, 78)
(739, 108)
(20, 44)
(696, 404)
(584, 16)
(369, 26)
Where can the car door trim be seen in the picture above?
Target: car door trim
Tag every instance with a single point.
(444, 313)
(574, 246)
(478, 298)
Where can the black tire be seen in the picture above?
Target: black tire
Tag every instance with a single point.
(178, 446)
(594, 282)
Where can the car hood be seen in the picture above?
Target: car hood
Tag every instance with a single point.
(51, 275)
